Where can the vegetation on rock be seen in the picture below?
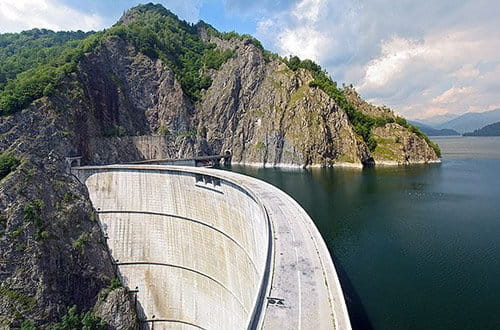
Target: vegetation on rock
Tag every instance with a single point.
(233, 35)
(363, 124)
(26, 50)
(8, 163)
(158, 33)
(33, 63)
(42, 76)
(85, 321)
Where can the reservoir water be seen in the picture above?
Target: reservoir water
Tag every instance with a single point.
(416, 247)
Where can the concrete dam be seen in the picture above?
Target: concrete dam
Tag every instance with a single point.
(201, 248)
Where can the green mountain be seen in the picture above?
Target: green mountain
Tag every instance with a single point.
(28, 60)
(151, 86)
(489, 130)
(194, 54)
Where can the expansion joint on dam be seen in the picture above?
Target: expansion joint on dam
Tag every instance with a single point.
(211, 249)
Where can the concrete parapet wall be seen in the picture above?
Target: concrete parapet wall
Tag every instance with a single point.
(196, 251)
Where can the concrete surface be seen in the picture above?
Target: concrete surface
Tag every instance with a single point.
(212, 249)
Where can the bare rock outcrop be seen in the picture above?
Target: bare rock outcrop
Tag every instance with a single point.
(52, 252)
(399, 146)
(266, 113)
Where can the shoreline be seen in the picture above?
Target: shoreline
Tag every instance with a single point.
(336, 165)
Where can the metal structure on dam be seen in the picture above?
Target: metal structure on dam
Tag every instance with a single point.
(210, 249)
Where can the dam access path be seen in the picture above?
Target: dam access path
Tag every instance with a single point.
(203, 248)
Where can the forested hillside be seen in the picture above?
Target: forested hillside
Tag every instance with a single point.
(489, 130)
(31, 63)
(34, 62)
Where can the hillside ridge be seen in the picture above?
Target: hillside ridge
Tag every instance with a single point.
(488, 130)
(195, 54)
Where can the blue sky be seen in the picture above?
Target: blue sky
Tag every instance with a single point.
(421, 58)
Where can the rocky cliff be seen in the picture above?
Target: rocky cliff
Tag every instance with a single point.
(52, 253)
(267, 114)
(153, 86)
(397, 141)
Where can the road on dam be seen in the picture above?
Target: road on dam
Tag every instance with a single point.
(210, 249)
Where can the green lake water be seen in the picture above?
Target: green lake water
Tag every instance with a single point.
(416, 247)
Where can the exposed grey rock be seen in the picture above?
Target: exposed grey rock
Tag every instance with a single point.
(396, 145)
(261, 111)
(266, 113)
(117, 309)
(399, 146)
(52, 252)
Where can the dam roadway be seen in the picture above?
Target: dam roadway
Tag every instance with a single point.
(210, 249)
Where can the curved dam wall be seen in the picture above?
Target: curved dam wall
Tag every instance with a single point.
(210, 249)
(195, 246)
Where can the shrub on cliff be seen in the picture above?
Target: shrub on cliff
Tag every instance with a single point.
(362, 123)
(8, 163)
(73, 320)
(158, 33)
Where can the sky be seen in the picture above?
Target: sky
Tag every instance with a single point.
(422, 58)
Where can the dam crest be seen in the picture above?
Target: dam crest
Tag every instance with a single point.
(202, 248)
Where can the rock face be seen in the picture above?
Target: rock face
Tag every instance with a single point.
(117, 310)
(266, 113)
(260, 110)
(365, 107)
(52, 252)
(125, 93)
(120, 105)
(398, 146)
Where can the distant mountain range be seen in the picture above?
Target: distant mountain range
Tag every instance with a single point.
(472, 121)
(431, 131)
(490, 130)
(467, 122)
(437, 120)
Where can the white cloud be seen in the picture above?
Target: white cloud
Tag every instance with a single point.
(18, 15)
(453, 95)
(303, 42)
(467, 71)
(305, 39)
(308, 10)
(447, 65)
(406, 54)
(396, 55)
